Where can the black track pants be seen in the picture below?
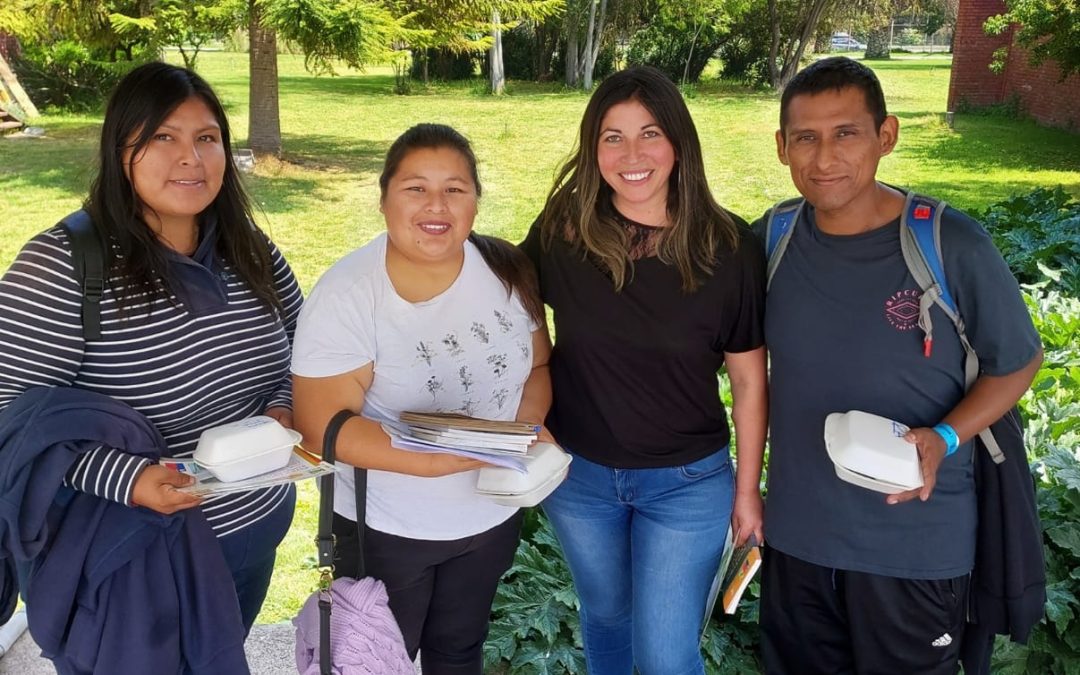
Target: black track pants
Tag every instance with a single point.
(816, 619)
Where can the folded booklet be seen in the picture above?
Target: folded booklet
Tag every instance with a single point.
(302, 465)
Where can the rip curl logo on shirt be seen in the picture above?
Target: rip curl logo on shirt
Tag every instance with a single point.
(902, 309)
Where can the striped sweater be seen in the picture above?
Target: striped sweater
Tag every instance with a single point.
(218, 356)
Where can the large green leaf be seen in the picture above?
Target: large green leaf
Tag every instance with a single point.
(1061, 605)
(1066, 536)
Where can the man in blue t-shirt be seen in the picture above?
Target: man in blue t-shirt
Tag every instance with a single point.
(856, 581)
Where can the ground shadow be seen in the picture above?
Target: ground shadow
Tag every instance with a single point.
(988, 143)
(366, 84)
(63, 161)
(281, 194)
(321, 152)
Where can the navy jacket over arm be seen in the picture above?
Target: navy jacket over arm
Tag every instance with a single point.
(112, 589)
(1008, 584)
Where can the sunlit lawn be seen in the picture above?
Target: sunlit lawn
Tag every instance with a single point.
(321, 201)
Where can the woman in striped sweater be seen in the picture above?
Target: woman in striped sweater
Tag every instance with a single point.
(197, 315)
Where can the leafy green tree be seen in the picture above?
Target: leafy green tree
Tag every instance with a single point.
(800, 18)
(189, 24)
(466, 26)
(1048, 29)
(679, 36)
(356, 32)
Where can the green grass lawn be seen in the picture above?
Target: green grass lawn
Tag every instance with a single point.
(322, 200)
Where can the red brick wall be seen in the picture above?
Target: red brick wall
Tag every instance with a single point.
(1040, 91)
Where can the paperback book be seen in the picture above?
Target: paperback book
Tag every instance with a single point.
(739, 571)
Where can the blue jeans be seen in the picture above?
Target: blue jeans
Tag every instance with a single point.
(250, 554)
(643, 546)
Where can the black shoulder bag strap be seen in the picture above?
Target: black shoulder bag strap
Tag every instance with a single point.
(88, 256)
(325, 539)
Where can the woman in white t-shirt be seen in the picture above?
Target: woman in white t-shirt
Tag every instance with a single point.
(429, 316)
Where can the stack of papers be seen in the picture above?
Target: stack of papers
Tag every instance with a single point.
(496, 442)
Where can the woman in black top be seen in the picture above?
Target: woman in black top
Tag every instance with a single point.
(654, 287)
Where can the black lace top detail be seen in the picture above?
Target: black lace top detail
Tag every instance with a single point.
(643, 238)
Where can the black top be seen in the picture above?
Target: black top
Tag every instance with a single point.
(634, 372)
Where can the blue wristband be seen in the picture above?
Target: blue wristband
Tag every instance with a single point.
(948, 434)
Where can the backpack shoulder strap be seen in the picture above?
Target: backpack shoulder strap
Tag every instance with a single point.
(920, 243)
(778, 229)
(88, 256)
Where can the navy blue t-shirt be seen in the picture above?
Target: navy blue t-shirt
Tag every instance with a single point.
(841, 327)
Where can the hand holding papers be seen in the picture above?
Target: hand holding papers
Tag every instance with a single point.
(301, 466)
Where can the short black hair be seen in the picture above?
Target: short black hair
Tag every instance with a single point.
(835, 73)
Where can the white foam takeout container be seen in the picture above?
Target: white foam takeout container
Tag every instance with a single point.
(245, 448)
(546, 466)
(870, 451)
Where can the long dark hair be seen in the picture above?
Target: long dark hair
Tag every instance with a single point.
(138, 265)
(577, 207)
(508, 263)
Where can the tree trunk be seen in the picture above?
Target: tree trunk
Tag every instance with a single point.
(592, 42)
(498, 76)
(264, 121)
(584, 67)
(774, 45)
(571, 53)
(690, 56)
(877, 43)
(793, 51)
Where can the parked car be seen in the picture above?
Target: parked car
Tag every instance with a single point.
(842, 42)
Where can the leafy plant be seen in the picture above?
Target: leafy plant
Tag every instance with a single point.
(65, 75)
(535, 628)
(1048, 29)
(731, 642)
(680, 39)
(1052, 435)
(1039, 230)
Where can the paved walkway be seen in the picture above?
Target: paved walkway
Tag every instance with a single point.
(269, 651)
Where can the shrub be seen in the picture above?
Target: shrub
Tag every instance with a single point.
(443, 64)
(744, 52)
(534, 620)
(1036, 231)
(669, 43)
(1052, 409)
(605, 62)
(1037, 234)
(910, 36)
(64, 75)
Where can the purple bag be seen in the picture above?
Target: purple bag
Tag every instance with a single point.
(364, 638)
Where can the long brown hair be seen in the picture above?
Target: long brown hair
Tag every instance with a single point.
(505, 260)
(142, 101)
(577, 206)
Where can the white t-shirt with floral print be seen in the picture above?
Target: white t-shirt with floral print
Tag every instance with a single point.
(467, 350)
